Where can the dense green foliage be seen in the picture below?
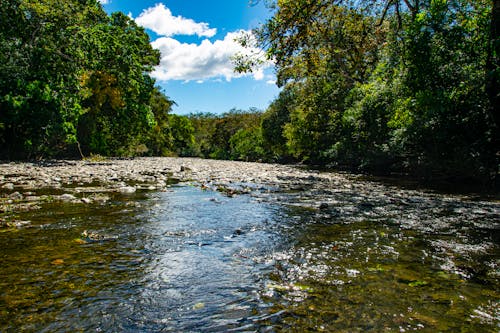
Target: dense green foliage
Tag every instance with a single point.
(75, 80)
(386, 86)
(234, 135)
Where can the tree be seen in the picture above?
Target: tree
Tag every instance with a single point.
(117, 88)
(160, 140)
(204, 128)
(70, 74)
(39, 91)
(227, 126)
(247, 144)
(493, 73)
(232, 135)
(444, 56)
(274, 121)
(182, 133)
(407, 85)
(323, 50)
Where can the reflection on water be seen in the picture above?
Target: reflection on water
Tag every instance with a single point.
(201, 275)
(189, 260)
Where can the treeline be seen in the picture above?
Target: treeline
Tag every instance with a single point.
(234, 135)
(407, 86)
(75, 81)
(245, 135)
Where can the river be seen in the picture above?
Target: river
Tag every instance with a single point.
(360, 256)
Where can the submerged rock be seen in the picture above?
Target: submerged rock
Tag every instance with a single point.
(323, 205)
(18, 224)
(93, 236)
(86, 200)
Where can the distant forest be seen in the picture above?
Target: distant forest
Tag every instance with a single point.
(378, 86)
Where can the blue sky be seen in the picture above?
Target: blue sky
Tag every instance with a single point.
(196, 41)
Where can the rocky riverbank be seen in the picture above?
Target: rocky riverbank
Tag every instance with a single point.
(129, 175)
(25, 186)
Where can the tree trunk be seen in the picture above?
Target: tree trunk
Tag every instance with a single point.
(492, 86)
(493, 65)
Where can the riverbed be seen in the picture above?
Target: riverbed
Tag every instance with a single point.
(191, 245)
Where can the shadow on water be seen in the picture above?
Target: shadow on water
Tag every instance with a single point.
(188, 260)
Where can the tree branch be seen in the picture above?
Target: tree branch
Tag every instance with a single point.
(384, 13)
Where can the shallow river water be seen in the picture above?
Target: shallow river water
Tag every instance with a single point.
(194, 260)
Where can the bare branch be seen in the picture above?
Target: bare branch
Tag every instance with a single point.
(384, 13)
(410, 6)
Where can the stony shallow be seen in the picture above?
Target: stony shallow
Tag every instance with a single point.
(25, 185)
(112, 174)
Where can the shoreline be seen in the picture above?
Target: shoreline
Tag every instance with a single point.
(148, 169)
(151, 171)
(26, 186)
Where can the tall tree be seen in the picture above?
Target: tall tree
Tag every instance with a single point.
(70, 73)
(117, 87)
(493, 70)
(160, 141)
(39, 85)
(324, 50)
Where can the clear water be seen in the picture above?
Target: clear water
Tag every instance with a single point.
(188, 260)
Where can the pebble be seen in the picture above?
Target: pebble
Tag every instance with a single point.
(67, 197)
(16, 196)
(8, 186)
(323, 205)
(127, 189)
(86, 200)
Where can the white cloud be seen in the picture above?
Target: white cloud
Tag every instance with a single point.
(200, 62)
(160, 20)
(194, 62)
(104, 2)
